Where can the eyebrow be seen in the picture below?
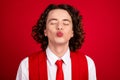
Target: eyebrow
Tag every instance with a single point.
(67, 20)
(52, 19)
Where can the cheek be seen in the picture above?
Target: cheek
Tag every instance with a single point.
(49, 32)
(69, 33)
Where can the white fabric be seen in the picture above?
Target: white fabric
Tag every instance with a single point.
(52, 68)
(23, 73)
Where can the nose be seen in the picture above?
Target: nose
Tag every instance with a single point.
(59, 27)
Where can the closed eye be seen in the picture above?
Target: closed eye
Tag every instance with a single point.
(66, 22)
(52, 21)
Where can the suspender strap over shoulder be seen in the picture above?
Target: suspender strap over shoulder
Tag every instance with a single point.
(38, 66)
(79, 66)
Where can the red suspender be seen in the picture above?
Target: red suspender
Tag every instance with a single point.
(38, 66)
(79, 66)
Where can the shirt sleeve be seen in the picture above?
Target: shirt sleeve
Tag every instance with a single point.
(91, 69)
(22, 73)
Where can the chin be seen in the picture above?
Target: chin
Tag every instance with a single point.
(61, 42)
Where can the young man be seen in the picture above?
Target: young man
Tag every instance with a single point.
(60, 32)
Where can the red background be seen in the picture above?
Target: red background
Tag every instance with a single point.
(101, 25)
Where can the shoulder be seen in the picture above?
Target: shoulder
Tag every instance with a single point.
(78, 54)
(24, 64)
(84, 58)
(91, 68)
(90, 61)
(22, 72)
(38, 54)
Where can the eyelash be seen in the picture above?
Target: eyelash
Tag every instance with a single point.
(66, 23)
(54, 23)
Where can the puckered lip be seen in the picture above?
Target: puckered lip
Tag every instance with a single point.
(59, 34)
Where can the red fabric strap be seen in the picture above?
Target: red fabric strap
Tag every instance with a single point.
(79, 66)
(38, 66)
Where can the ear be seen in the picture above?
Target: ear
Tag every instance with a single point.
(72, 34)
(45, 32)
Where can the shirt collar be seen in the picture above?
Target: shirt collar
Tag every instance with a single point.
(52, 58)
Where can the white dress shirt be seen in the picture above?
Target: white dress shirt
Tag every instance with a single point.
(23, 71)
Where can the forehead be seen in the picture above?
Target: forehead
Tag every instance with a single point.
(59, 14)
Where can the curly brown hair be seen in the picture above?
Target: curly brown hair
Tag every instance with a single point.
(75, 42)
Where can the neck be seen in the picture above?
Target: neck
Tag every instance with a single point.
(58, 50)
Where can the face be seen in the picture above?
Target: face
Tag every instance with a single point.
(58, 27)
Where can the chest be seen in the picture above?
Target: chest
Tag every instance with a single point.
(38, 68)
(52, 69)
